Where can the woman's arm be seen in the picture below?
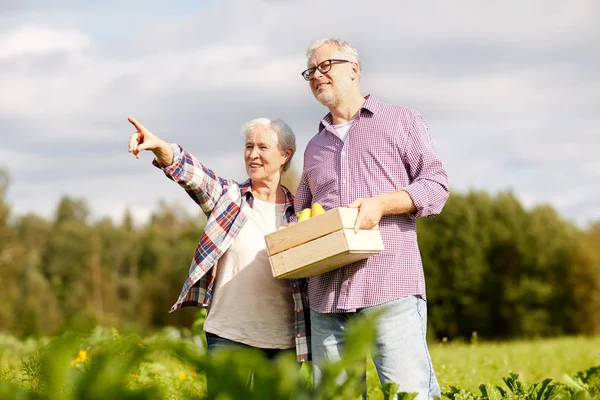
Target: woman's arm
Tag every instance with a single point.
(199, 182)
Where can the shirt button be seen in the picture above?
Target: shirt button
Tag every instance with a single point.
(343, 181)
(343, 153)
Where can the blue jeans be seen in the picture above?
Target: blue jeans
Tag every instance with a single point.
(214, 341)
(402, 354)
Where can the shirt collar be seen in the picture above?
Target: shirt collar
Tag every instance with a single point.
(371, 106)
(245, 190)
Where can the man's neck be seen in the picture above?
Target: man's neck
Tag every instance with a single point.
(347, 110)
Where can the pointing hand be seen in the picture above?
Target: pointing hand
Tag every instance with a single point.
(142, 139)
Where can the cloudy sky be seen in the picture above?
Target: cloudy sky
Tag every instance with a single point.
(510, 90)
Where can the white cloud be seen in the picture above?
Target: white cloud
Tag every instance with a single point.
(35, 40)
(510, 91)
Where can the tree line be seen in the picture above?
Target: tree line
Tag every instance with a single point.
(492, 267)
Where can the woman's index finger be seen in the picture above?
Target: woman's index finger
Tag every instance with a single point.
(137, 125)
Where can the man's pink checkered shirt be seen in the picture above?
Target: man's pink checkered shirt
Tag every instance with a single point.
(388, 148)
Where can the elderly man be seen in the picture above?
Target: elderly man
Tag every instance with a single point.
(378, 158)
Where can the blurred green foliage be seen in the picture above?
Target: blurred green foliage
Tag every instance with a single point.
(90, 362)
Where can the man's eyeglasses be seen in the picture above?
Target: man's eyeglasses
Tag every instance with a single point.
(323, 67)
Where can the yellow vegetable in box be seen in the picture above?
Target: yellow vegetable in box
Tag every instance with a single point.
(303, 215)
(307, 213)
(317, 209)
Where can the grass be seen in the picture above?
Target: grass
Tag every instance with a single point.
(466, 365)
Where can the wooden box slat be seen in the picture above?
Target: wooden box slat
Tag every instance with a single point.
(325, 253)
(310, 229)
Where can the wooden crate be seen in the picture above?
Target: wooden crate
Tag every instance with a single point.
(320, 244)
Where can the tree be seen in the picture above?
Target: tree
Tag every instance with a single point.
(584, 281)
(71, 210)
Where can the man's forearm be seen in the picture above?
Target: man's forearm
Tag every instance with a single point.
(396, 203)
(371, 209)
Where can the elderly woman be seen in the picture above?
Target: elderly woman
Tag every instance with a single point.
(230, 272)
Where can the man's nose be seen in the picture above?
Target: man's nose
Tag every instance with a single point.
(317, 74)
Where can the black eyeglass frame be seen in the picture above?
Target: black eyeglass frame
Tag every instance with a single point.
(309, 73)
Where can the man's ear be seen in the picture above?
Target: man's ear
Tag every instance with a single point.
(355, 73)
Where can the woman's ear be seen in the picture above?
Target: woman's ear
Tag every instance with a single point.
(287, 155)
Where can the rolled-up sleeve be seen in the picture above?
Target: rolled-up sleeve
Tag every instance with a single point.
(199, 182)
(428, 188)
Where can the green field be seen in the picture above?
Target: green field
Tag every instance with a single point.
(468, 365)
(167, 365)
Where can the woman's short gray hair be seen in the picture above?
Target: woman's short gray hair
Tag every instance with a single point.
(285, 135)
(340, 45)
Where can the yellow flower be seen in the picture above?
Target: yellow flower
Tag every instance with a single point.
(182, 376)
(81, 357)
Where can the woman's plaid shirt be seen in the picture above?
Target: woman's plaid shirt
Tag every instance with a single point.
(226, 204)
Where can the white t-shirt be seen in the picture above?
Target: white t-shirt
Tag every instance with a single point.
(342, 129)
(249, 305)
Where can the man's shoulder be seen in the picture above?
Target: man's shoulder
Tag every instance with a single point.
(395, 108)
(321, 126)
(314, 140)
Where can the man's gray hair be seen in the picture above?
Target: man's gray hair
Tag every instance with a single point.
(285, 135)
(340, 45)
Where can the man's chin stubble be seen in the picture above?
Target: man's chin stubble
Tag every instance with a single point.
(327, 101)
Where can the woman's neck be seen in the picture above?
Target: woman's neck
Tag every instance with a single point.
(270, 192)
